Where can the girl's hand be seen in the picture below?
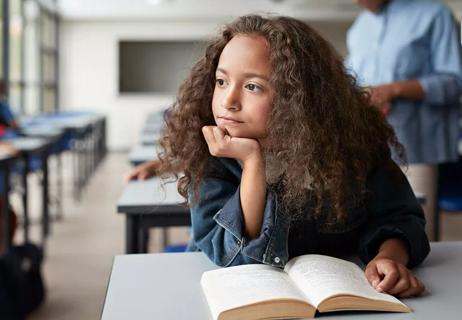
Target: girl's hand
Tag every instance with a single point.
(389, 276)
(143, 171)
(223, 145)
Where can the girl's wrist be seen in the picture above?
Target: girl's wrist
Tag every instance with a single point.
(254, 159)
(394, 249)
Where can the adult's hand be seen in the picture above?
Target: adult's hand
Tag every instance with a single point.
(382, 96)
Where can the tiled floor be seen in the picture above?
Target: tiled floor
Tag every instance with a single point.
(82, 246)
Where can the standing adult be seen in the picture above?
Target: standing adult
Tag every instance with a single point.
(408, 53)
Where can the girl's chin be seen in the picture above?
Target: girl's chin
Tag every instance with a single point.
(236, 133)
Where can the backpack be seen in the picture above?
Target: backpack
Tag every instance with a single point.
(13, 225)
(21, 284)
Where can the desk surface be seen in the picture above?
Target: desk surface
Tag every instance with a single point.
(42, 132)
(141, 154)
(5, 157)
(146, 196)
(28, 144)
(152, 128)
(166, 286)
(150, 139)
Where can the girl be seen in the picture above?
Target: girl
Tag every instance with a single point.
(282, 155)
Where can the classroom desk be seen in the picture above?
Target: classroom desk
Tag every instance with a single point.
(141, 154)
(152, 128)
(43, 132)
(145, 204)
(82, 130)
(55, 136)
(29, 147)
(166, 286)
(5, 167)
(150, 139)
(84, 136)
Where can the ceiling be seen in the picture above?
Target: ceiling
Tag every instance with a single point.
(212, 10)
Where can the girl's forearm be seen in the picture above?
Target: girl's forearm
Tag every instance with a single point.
(394, 249)
(253, 194)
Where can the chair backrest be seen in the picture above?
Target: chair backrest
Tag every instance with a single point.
(450, 178)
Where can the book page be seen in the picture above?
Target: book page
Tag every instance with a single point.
(320, 277)
(233, 287)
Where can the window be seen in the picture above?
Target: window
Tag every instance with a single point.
(16, 58)
(29, 33)
(48, 61)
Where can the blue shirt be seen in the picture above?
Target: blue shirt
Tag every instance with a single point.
(390, 211)
(413, 40)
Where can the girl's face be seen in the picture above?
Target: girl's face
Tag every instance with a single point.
(242, 98)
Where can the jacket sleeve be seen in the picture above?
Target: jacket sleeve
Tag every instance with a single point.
(444, 85)
(217, 224)
(393, 213)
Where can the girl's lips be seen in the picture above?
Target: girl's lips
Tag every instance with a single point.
(225, 120)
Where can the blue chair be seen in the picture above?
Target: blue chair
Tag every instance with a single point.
(449, 192)
(175, 248)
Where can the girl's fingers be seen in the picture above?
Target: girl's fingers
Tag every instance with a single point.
(210, 139)
(143, 175)
(217, 140)
(207, 131)
(391, 276)
(130, 176)
(372, 275)
(221, 135)
(404, 282)
(415, 289)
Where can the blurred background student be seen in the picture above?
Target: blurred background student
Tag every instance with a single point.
(7, 118)
(408, 53)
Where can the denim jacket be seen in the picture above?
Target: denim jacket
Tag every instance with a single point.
(389, 211)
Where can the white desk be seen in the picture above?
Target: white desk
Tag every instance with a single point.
(166, 286)
(146, 204)
(141, 154)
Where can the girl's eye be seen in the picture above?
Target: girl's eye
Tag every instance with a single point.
(253, 87)
(220, 82)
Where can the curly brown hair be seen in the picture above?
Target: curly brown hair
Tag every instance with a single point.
(321, 125)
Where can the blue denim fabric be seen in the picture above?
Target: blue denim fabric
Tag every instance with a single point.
(391, 210)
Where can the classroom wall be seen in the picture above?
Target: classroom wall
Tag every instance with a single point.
(89, 68)
(89, 71)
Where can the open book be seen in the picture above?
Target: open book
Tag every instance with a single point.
(307, 283)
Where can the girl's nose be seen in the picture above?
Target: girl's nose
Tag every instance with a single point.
(231, 100)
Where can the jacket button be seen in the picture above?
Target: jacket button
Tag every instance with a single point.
(277, 260)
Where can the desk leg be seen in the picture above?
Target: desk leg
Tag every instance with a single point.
(76, 167)
(165, 237)
(25, 196)
(5, 210)
(59, 184)
(131, 233)
(45, 191)
(143, 240)
(436, 220)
